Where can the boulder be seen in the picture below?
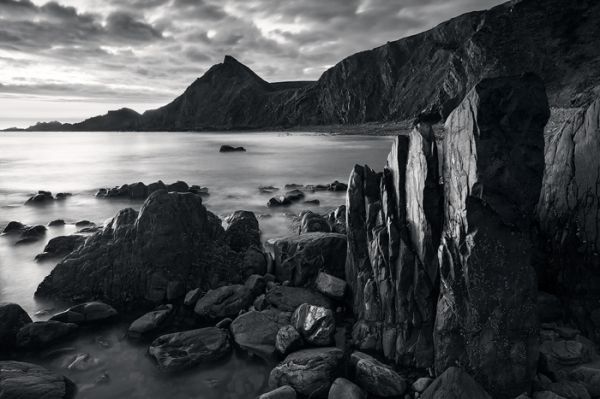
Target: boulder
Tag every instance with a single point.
(378, 378)
(255, 261)
(138, 191)
(557, 358)
(60, 246)
(331, 286)
(242, 231)
(345, 389)
(588, 375)
(256, 284)
(546, 395)
(182, 350)
(338, 186)
(300, 258)
(316, 324)
(150, 322)
(278, 201)
(309, 371)
(294, 195)
(29, 381)
(178, 187)
(192, 297)
(12, 319)
(135, 256)
(226, 301)
(337, 220)
(40, 334)
(42, 197)
(288, 340)
(311, 222)
(288, 299)
(256, 332)
(56, 223)
(88, 312)
(569, 390)
(283, 392)
(228, 148)
(421, 384)
(14, 227)
(455, 384)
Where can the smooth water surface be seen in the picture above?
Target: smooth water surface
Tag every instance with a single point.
(80, 163)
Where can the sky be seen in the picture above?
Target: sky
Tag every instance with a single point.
(69, 60)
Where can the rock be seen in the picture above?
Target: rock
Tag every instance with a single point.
(345, 389)
(546, 395)
(558, 357)
(288, 299)
(192, 297)
(260, 302)
(42, 333)
(63, 196)
(42, 197)
(82, 362)
(283, 392)
(256, 284)
(182, 350)
(316, 324)
(13, 227)
(300, 258)
(330, 285)
(28, 381)
(293, 186)
(314, 202)
(178, 187)
(56, 222)
(256, 332)
(421, 384)
(60, 246)
(138, 191)
(224, 324)
(310, 222)
(84, 223)
(34, 232)
(294, 195)
(226, 301)
(255, 261)
(589, 376)
(278, 201)
(288, 340)
(150, 322)
(455, 384)
(569, 390)
(243, 231)
(88, 312)
(127, 263)
(12, 319)
(378, 378)
(228, 148)
(309, 371)
(337, 220)
(338, 186)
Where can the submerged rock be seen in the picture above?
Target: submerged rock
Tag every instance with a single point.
(310, 371)
(29, 381)
(60, 246)
(228, 148)
(12, 319)
(182, 350)
(42, 197)
(14, 227)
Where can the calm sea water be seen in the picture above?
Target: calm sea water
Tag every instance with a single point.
(81, 163)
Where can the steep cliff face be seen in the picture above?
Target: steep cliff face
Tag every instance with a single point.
(440, 244)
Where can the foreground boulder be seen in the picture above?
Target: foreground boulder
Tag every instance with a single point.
(134, 259)
(455, 384)
(182, 350)
(42, 333)
(345, 389)
(378, 378)
(310, 371)
(288, 299)
(311, 222)
(88, 312)
(29, 381)
(300, 258)
(226, 301)
(316, 324)
(256, 332)
(12, 319)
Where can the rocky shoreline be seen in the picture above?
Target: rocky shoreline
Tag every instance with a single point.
(449, 274)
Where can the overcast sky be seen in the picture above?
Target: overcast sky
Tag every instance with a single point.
(72, 59)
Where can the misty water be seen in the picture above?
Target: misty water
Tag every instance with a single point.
(80, 163)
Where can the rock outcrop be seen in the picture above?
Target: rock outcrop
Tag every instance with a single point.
(173, 239)
(12, 319)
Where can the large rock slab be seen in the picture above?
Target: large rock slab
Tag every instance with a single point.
(256, 332)
(288, 299)
(299, 258)
(173, 239)
(454, 383)
(21, 380)
(487, 318)
(310, 371)
(12, 319)
(182, 350)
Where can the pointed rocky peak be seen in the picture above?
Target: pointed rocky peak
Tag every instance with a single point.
(233, 70)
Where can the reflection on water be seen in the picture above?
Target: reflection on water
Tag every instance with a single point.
(81, 163)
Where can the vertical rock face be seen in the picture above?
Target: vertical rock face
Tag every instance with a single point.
(569, 207)
(493, 165)
(391, 264)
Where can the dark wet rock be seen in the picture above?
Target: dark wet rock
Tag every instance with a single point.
(182, 350)
(88, 312)
(63, 196)
(345, 389)
(242, 231)
(300, 258)
(288, 299)
(260, 303)
(40, 334)
(150, 323)
(42, 197)
(178, 187)
(159, 185)
(288, 340)
(315, 202)
(192, 297)
(316, 324)
(421, 384)
(589, 376)
(14, 227)
(256, 284)
(225, 323)
(256, 332)
(31, 234)
(135, 256)
(255, 261)
(138, 191)
(558, 357)
(283, 392)
(294, 186)
(454, 383)
(311, 222)
(378, 378)
(569, 390)
(56, 222)
(294, 195)
(278, 201)
(331, 286)
(338, 186)
(309, 371)
(337, 220)
(84, 223)
(546, 395)
(203, 191)
(29, 381)
(12, 319)
(229, 148)
(226, 301)
(60, 246)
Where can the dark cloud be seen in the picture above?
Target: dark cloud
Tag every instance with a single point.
(125, 27)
